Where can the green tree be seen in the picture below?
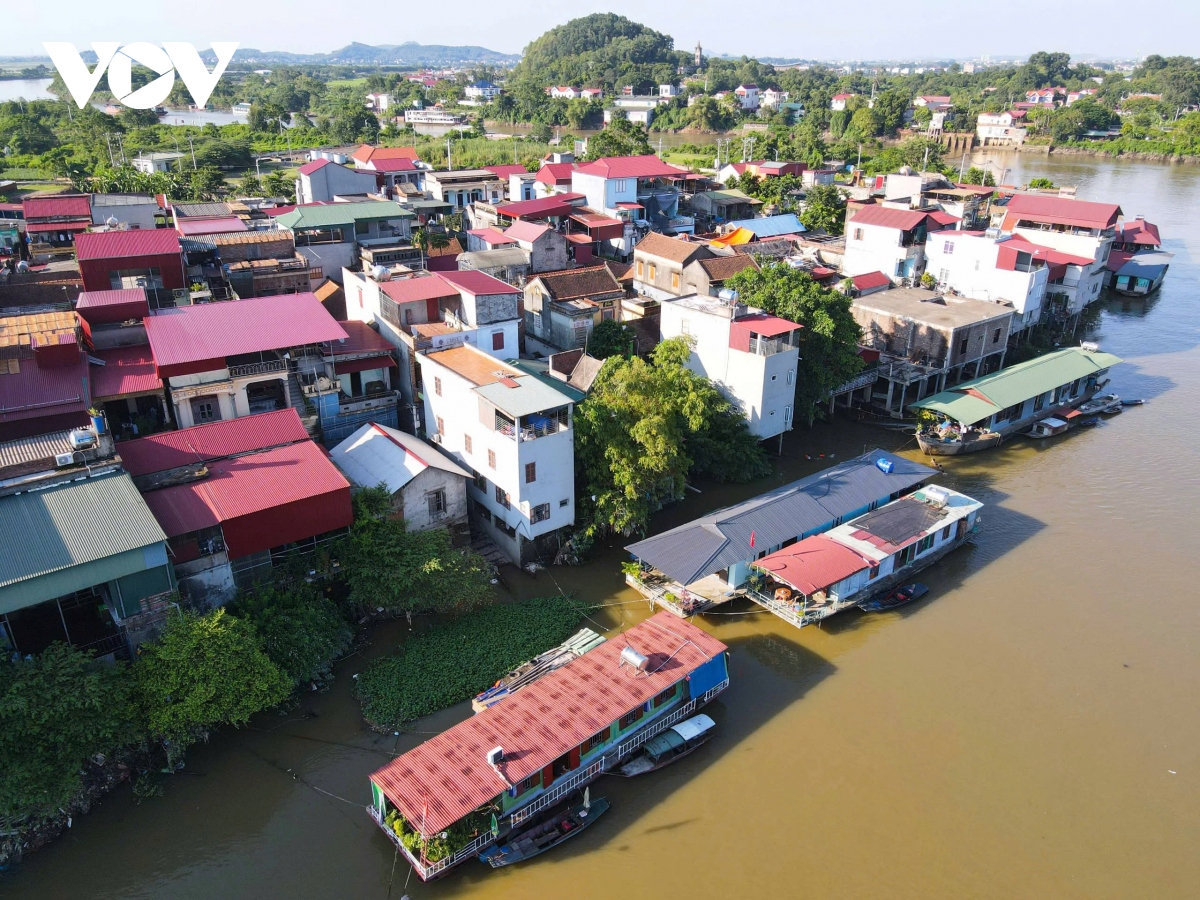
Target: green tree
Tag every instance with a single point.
(620, 137)
(249, 186)
(829, 336)
(398, 570)
(979, 176)
(824, 209)
(138, 118)
(278, 184)
(205, 671)
(611, 338)
(301, 630)
(1037, 184)
(890, 107)
(57, 710)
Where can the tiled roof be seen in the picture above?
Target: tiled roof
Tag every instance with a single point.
(216, 440)
(200, 335)
(648, 166)
(525, 231)
(719, 268)
(126, 371)
(448, 776)
(573, 283)
(478, 283)
(73, 205)
(655, 244)
(118, 244)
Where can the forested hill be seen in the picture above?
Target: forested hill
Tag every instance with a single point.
(600, 50)
(406, 54)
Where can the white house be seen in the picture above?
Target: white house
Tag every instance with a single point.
(669, 91)
(1001, 128)
(428, 488)
(482, 91)
(321, 180)
(747, 94)
(514, 431)
(631, 188)
(378, 103)
(773, 98)
(563, 92)
(891, 241)
(839, 101)
(749, 355)
(591, 94)
(162, 161)
(990, 267)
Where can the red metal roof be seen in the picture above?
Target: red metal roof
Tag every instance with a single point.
(886, 217)
(34, 392)
(315, 165)
(1139, 231)
(191, 339)
(68, 205)
(474, 282)
(505, 171)
(216, 440)
(1060, 211)
(766, 324)
(126, 371)
(525, 231)
(39, 227)
(543, 207)
(118, 244)
(491, 236)
(1007, 256)
(399, 164)
(299, 487)
(223, 225)
(648, 166)
(448, 776)
(869, 280)
(943, 218)
(101, 307)
(361, 338)
(555, 173)
(121, 297)
(813, 564)
(421, 287)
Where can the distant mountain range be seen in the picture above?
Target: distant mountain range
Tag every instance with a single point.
(409, 53)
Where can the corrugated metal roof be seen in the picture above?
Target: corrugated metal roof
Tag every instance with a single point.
(1060, 211)
(119, 244)
(330, 215)
(376, 454)
(531, 395)
(1147, 264)
(505, 257)
(32, 449)
(201, 443)
(69, 205)
(722, 538)
(772, 226)
(525, 231)
(201, 210)
(648, 166)
(222, 225)
(979, 399)
(73, 524)
(361, 338)
(420, 287)
(478, 283)
(813, 564)
(33, 392)
(196, 334)
(448, 776)
(887, 217)
(542, 207)
(89, 299)
(126, 371)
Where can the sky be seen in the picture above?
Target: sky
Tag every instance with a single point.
(868, 29)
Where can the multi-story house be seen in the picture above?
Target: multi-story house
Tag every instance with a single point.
(1077, 227)
(151, 259)
(561, 308)
(482, 91)
(321, 180)
(51, 222)
(632, 188)
(462, 187)
(514, 431)
(1002, 128)
(891, 241)
(331, 236)
(749, 355)
(659, 262)
(747, 95)
(993, 268)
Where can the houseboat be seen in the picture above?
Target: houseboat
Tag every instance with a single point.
(1143, 274)
(707, 561)
(481, 781)
(824, 574)
(981, 413)
(433, 116)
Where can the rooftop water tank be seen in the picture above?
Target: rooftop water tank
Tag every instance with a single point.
(630, 657)
(381, 273)
(937, 496)
(81, 439)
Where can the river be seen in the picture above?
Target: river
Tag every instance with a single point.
(1030, 730)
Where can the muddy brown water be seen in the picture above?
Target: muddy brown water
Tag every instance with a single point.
(1029, 729)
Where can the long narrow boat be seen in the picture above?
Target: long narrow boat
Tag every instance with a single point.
(551, 831)
(934, 444)
(673, 744)
(898, 597)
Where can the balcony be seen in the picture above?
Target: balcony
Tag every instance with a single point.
(269, 367)
(765, 346)
(540, 425)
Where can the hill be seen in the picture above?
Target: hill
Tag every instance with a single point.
(409, 53)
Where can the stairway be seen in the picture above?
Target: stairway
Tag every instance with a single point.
(307, 413)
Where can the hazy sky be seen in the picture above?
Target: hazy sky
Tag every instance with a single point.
(874, 29)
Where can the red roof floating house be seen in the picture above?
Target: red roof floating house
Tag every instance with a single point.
(147, 258)
(234, 496)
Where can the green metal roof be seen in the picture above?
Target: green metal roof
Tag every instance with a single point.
(979, 399)
(71, 525)
(330, 215)
(545, 378)
(734, 194)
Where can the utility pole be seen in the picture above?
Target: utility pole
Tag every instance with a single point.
(962, 166)
(925, 163)
(193, 149)
(449, 167)
(108, 143)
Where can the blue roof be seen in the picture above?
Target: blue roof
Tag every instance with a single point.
(722, 538)
(1146, 265)
(483, 84)
(772, 226)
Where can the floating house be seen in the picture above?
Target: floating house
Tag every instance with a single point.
(1143, 273)
(455, 795)
(979, 414)
(824, 574)
(707, 560)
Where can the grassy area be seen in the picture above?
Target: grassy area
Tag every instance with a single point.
(348, 82)
(25, 174)
(455, 660)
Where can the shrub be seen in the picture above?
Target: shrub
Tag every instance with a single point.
(302, 631)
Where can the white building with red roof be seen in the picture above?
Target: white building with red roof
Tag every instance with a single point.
(839, 101)
(634, 188)
(889, 240)
(749, 355)
(321, 180)
(1006, 128)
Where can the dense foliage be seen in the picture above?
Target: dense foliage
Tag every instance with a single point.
(455, 660)
(301, 630)
(611, 338)
(620, 137)
(824, 209)
(56, 711)
(643, 428)
(391, 568)
(205, 671)
(828, 339)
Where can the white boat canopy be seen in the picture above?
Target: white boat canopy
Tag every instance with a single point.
(693, 727)
(1053, 423)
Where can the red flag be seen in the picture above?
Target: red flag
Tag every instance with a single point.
(752, 539)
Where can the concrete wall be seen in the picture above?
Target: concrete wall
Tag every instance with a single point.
(412, 500)
(489, 309)
(878, 250)
(331, 258)
(968, 265)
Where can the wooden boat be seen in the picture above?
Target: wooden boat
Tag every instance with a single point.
(674, 743)
(933, 444)
(898, 597)
(1047, 428)
(1098, 404)
(1138, 402)
(551, 831)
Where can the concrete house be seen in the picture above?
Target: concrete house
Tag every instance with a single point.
(151, 259)
(429, 489)
(321, 180)
(127, 210)
(514, 431)
(462, 187)
(891, 241)
(632, 188)
(658, 264)
(707, 276)
(331, 236)
(562, 308)
(749, 355)
(547, 248)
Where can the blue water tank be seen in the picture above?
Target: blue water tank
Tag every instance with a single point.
(885, 465)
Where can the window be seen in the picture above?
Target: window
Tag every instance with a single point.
(205, 411)
(437, 385)
(858, 234)
(441, 425)
(640, 268)
(608, 315)
(675, 279)
(1039, 402)
(362, 227)
(533, 781)
(996, 336)
(502, 497)
(491, 459)
(945, 532)
(685, 327)
(629, 718)
(665, 697)
(620, 185)
(873, 574)
(540, 513)
(596, 740)
(653, 271)
(791, 375)
(925, 543)
(437, 503)
(787, 417)
(497, 340)
(948, 248)
(962, 347)
(566, 501)
(943, 275)
(468, 444)
(530, 472)
(479, 480)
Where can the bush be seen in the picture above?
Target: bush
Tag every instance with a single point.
(301, 631)
(205, 671)
(56, 711)
(455, 660)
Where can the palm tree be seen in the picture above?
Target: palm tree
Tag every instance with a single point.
(420, 239)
